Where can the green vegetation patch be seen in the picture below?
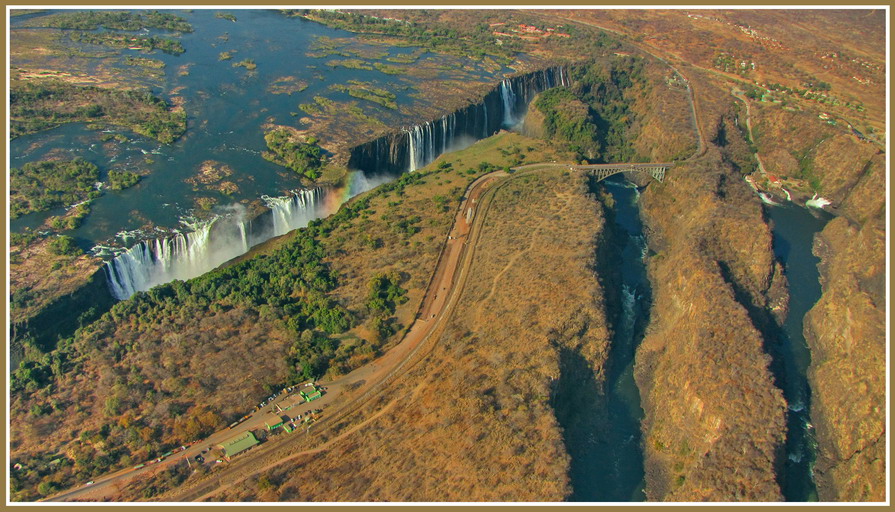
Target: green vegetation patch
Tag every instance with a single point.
(41, 186)
(144, 62)
(287, 85)
(305, 158)
(367, 91)
(122, 40)
(120, 180)
(472, 41)
(64, 246)
(594, 117)
(570, 120)
(37, 105)
(350, 64)
(226, 55)
(71, 220)
(406, 58)
(225, 16)
(115, 20)
(384, 296)
(388, 69)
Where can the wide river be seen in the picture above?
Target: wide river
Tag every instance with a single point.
(226, 108)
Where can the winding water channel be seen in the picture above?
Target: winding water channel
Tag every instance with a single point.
(601, 424)
(794, 229)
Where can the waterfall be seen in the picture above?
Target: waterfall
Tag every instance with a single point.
(412, 148)
(418, 145)
(295, 211)
(153, 262)
(208, 244)
(422, 139)
(509, 102)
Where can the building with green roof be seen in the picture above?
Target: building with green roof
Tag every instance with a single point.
(238, 444)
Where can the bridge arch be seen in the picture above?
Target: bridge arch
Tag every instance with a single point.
(603, 171)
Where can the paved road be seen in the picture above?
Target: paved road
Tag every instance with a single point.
(341, 394)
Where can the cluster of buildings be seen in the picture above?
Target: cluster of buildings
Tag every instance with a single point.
(246, 440)
(766, 41)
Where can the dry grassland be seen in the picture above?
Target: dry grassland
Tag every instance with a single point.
(473, 420)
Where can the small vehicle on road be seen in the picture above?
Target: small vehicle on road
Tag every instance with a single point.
(89, 483)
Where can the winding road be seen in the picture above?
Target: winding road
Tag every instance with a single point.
(344, 395)
(739, 95)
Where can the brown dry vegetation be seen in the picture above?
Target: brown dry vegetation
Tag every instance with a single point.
(663, 129)
(473, 420)
(41, 53)
(30, 266)
(846, 333)
(210, 176)
(714, 423)
(791, 47)
(158, 380)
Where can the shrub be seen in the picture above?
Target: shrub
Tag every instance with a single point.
(65, 246)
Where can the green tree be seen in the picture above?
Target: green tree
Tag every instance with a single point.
(65, 246)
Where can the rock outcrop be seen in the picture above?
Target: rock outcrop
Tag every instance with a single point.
(714, 421)
(846, 333)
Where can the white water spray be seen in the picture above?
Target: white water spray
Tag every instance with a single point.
(208, 244)
(509, 102)
(817, 202)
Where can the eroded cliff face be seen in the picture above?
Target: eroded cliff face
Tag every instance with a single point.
(846, 333)
(714, 421)
(845, 330)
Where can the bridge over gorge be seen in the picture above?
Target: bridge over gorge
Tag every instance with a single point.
(603, 171)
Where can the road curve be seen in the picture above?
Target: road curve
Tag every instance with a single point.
(354, 389)
(459, 269)
(346, 394)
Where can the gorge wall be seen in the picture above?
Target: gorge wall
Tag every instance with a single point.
(714, 420)
(414, 147)
(847, 335)
(846, 328)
